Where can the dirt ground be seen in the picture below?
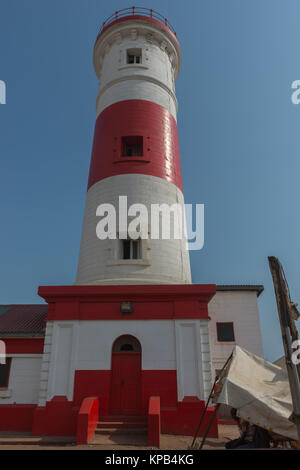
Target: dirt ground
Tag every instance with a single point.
(24, 441)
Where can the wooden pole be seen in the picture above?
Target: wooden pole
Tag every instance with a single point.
(289, 334)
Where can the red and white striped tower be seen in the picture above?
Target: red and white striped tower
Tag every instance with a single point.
(135, 152)
(142, 351)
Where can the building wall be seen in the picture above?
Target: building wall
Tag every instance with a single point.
(24, 380)
(241, 308)
(177, 349)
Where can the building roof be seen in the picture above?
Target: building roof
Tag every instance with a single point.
(241, 287)
(23, 320)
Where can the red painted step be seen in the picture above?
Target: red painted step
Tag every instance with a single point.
(123, 418)
(110, 424)
(121, 425)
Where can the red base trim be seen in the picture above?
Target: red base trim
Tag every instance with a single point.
(185, 418)
(57, 418)
(24, 345)
(16, 417)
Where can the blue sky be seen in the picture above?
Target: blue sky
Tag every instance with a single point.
(239, 139)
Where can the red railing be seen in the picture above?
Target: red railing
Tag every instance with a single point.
(137, 11)
(87, 419)
(154, 422)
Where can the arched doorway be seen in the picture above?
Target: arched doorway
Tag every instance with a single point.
(125, 396)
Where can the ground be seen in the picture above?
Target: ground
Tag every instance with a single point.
(24, 441)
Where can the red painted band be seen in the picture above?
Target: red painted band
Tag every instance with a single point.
(149, 302)
(16, 417)
(139, 118)
(23, 345)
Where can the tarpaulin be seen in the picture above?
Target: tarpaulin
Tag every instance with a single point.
(260, 392)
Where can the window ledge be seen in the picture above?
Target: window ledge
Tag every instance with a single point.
(133, 66)
(124, 262)
(5, 393)
(140, 159)
(226, 342)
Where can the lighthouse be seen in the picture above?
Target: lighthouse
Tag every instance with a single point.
(132, 344)
(128, 345)
(135, 152)
(132, 332)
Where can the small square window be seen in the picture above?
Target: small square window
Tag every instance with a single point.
(4, 373)
(132, 146)
(225, 331)
(131, 249)
(134, 56)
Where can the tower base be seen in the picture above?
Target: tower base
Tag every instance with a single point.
(122, 345)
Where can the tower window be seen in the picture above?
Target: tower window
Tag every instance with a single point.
(132, 146)
(131, 249)
(134, 56)
(4, 373)
(225, 331)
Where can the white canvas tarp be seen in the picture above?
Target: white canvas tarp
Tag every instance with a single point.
(259, 390)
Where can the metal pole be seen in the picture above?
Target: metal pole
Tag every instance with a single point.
(289, 333)
(208, 400)
(209, 425)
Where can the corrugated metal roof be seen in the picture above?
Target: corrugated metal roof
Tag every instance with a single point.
(23, 319)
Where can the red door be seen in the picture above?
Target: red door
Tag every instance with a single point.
(125, 396)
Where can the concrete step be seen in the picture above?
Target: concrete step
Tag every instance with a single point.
(121, 424)
(123, 431)
(130, 419)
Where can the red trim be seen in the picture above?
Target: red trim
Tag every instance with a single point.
(225, 323)
(157, 126)
(137, 17)
(149, 302)
(161, 383)
(16, 417)
(57, 418)
(185, 418)
(92, 383)
(24, 345)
